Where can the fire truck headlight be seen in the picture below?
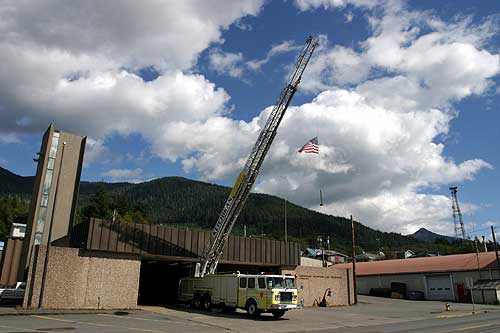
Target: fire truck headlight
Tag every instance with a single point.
(277, 297)
(294, 298)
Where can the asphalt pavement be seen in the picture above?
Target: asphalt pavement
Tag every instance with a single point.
(373, 315)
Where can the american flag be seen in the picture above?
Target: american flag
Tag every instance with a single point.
(311, 146)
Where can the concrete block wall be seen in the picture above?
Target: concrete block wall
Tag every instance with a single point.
(312, 282)
(78, 279)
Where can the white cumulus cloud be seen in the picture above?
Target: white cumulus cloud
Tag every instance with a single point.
(124, 175)
(75, 64)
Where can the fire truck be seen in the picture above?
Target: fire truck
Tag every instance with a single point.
(254, 293)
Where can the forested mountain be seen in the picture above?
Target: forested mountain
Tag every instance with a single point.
(10, 183)
(194, 204)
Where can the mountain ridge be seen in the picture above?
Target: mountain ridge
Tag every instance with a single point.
(427, 236)
(190, 203)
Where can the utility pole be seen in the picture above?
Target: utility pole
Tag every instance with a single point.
(354, 263)
(496, 249)
(286, 236)
(478, 266)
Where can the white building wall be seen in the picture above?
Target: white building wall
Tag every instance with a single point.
(460, 277)
(417, 281)
(414, 282)
(310, 262)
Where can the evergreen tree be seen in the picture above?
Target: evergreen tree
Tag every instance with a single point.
(13, 209)
(99, 206)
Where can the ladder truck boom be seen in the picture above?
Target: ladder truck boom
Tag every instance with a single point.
(243, 185)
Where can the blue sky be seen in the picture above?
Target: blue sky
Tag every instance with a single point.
(404, 97)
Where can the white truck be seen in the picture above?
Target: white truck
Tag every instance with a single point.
(14, 295)
(254, 293)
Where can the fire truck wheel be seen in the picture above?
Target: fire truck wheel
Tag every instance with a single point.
(278, 313)
(252, 309)
(197, 301)
(207, 304)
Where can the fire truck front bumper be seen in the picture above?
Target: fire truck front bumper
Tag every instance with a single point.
(283, 306)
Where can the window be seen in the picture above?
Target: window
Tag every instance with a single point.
(53, 145)
(290, 283)
(262, 283)
(41, 219)
(45, 199)
(51, 162)
(276, 282)
(47, 182)
(251, 283)
(243, 282)
(38, 238)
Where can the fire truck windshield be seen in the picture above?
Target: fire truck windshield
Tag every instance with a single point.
(290, 283)
(279, 282)
(275, 282)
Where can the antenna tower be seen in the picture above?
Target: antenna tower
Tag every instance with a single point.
(457, 215)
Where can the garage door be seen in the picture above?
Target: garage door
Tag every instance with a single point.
(439, 288)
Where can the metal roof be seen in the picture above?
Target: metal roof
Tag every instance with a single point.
(458, 262)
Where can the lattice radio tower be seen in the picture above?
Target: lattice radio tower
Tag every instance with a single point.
(457, 215)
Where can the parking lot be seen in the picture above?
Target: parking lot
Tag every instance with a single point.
(371, 315)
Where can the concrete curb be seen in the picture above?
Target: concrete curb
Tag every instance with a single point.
(15, 312)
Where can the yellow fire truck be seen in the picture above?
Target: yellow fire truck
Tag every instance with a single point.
(254, 293)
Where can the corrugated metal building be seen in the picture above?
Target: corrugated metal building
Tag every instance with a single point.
(438, 278)
(486, 291)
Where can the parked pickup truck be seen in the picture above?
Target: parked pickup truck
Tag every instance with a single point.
(14, 295)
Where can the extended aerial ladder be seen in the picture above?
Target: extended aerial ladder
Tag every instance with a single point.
(457, 214)
(243, 185)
